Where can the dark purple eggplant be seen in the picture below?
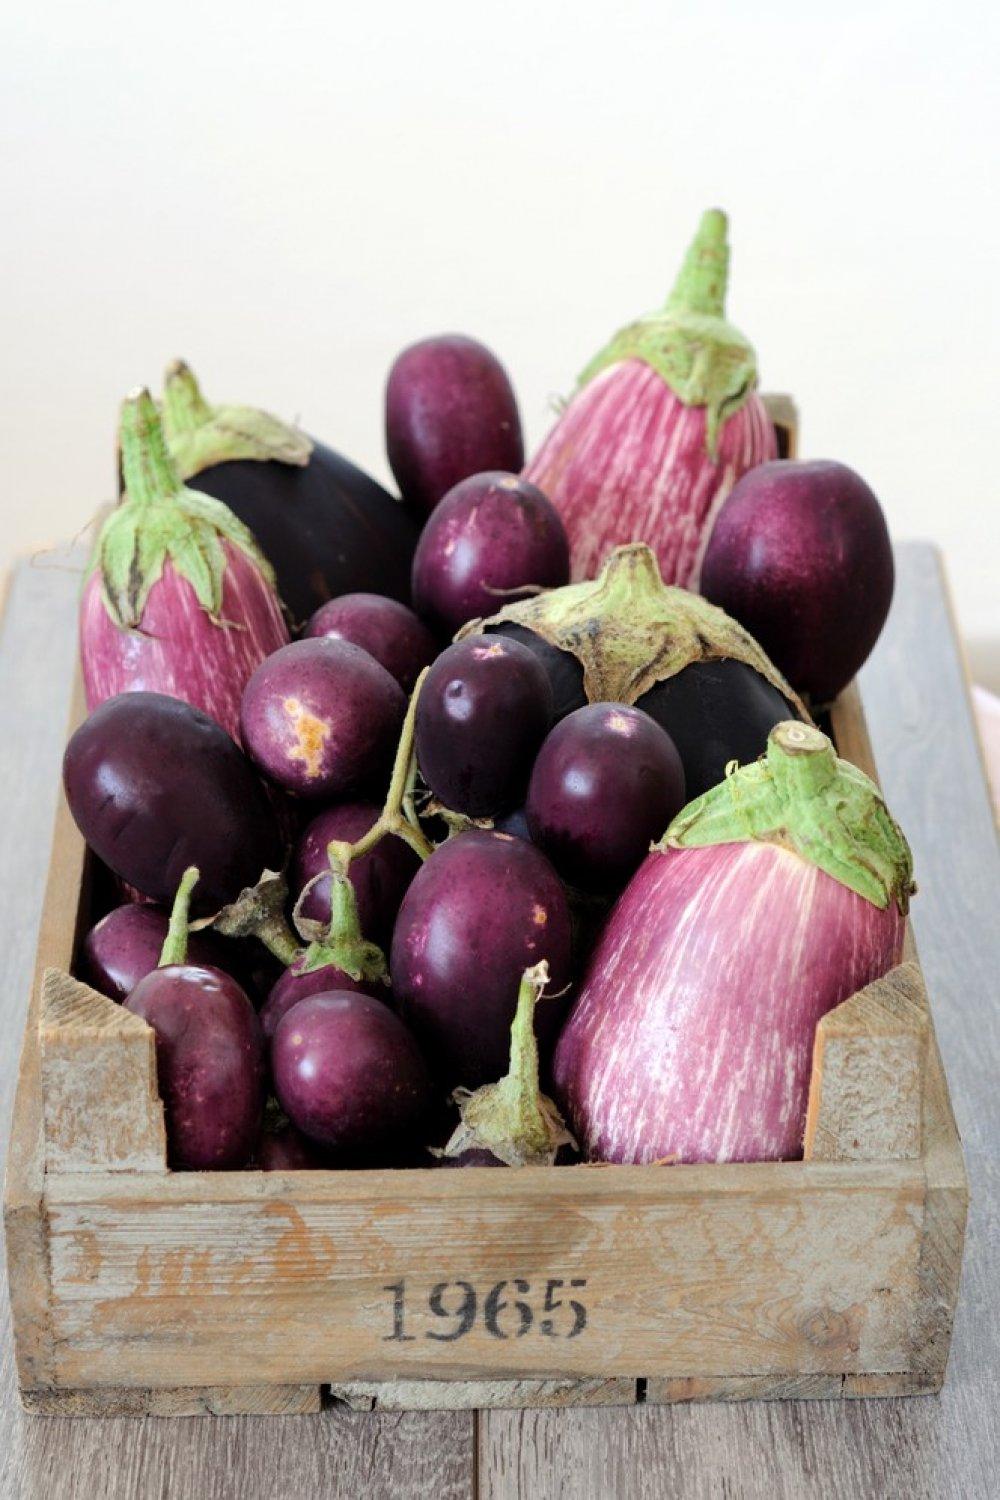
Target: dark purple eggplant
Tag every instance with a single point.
(125, 946)
(288, 1150)
(605, 784)
(800, 555)
(484, 709)
(481, 910)
(450, 412)
(349, 1075)
(155, 785)
(380, 878)
(209, 1053)
(326, 527)
(627, 637)
(493, 539)
(322, 717)
(383, 627)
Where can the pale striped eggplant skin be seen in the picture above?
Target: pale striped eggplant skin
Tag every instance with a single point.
(628, 461)
(691, 1038)
(179, 649)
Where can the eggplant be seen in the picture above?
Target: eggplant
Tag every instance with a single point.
(800, 555)
(325, 526)
(178, 599)
(349, 1076)
(125, 946)
(209, 1053)
(482, 909)
(772, 898)
(663, 421)
(629, 638)
(386, 629)
(155, 785)
(380, 878)
(492, 537)
(450, 412)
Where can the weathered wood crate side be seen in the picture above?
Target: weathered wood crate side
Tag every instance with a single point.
(135, 1289)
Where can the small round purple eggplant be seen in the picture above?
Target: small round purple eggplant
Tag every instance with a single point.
(801, 556)
(380, 878)
(125, 946)
(155, 785)
(492, 540)
(209, 1053)
(605, 784)
(321, 717)
(484, 709)
(450, 412)
(348, 1074)
(481, 910)
(291, 987)
(383, 627)
(287, 1150)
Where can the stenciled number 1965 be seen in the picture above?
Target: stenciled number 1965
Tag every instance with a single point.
(508, 1309)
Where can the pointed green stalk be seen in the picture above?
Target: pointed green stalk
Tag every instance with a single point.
(801, 797)
(200, 435)
(339, 943)
(398, 816)
(161, 521)
(689, 343)
(513, 1119)
(175, 944)
(629, 630)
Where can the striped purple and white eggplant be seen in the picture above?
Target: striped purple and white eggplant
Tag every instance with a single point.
(664, 421)
(771, 899)
(179, 599)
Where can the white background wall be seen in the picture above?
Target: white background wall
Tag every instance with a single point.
(287, 194)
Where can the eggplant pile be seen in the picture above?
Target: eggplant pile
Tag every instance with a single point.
(460, 830)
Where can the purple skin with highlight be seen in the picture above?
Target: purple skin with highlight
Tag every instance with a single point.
(291, 987)
(492, 540)
(349, 1075)
(209, 1064)
(155, 785)
(380, 878)
(322, 717)
(383, 627)
(800, 555)
(481, 910)
(124, 946)
(483, 711)
(605, 784)
(450, 411)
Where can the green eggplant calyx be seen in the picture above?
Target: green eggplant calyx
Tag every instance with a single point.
(688, 342)
(801, 797)
(160, 521)
(338, 943)
(199, 435)
(175, 944)
(629, 630)
(512, 1119)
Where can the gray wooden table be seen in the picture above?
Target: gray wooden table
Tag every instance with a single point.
(915, 698)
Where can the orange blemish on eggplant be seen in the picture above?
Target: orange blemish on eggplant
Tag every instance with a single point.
(539, 916)
(311, 735)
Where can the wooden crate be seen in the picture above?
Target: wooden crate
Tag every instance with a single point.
(137, 1290)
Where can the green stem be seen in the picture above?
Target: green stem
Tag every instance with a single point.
(174, 950)
(149, 471)
(184, 407)
(398, 816)
(259, 912)
(802, 760)
(340, 943)
(701, 282)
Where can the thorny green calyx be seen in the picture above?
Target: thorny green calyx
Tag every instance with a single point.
(629, 630)
(339, 943)
(160, 521)
(512, 1119)
(700, 355)
(801, 797)
(199, 435)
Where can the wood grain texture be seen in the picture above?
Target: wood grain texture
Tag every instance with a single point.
(866, 1095)
(465, 1395)
(185, 1401)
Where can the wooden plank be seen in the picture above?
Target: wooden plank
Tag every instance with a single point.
(467, 1395)
(185, 1401)
(102, 1111)
(866, 1094)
